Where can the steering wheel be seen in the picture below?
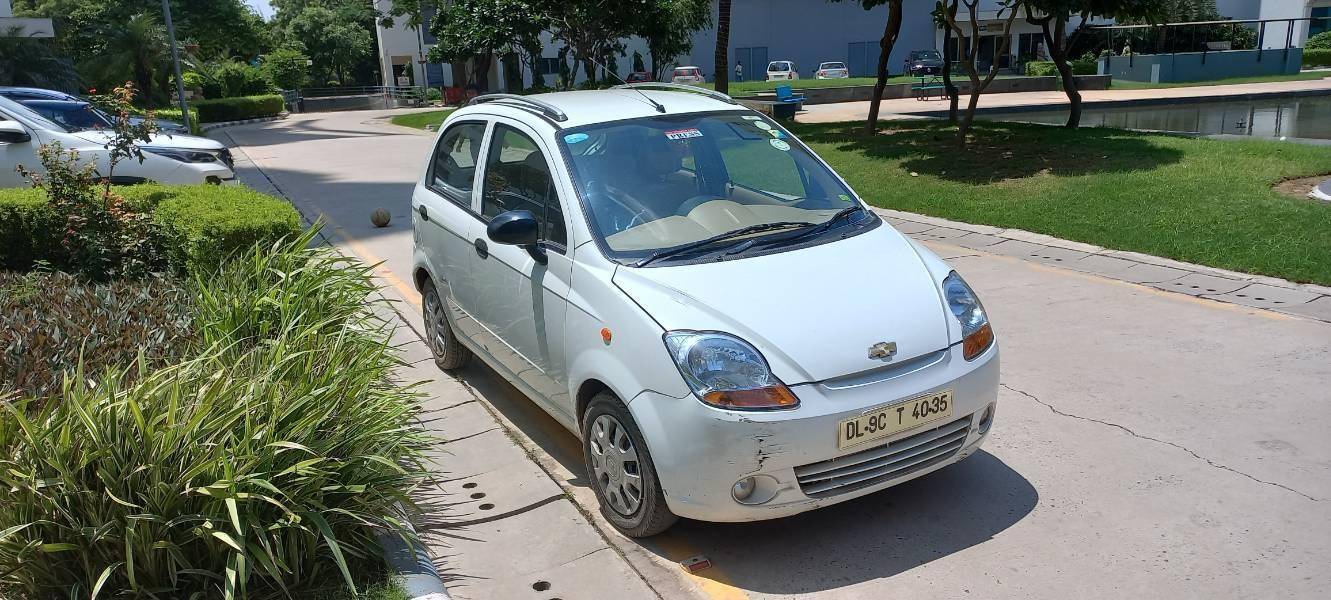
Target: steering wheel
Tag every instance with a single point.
(598, 195)
(688, 205)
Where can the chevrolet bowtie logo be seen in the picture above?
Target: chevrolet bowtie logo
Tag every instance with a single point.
(883, 350)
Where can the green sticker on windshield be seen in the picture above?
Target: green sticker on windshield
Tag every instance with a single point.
(843, 197)
(761, 125)
(779, 145)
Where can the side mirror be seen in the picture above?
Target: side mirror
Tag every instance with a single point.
(12, 132)
(517, 228)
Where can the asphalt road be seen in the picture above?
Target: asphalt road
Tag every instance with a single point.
(1147, 443)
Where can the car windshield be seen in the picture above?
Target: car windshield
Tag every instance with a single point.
(19, 110)
(779, 66)
(835, 65)
(663, 182)
(685, 72)
(927, 55)
(73, 116)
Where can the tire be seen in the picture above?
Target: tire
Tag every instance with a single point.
(606, 426)
(449, 353)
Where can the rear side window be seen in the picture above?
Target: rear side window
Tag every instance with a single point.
(517, 177)
(454, 164)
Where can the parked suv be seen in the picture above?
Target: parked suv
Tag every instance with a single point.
(34, 97)
(924, 62)
(695, 294)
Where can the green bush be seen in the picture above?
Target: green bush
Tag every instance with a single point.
(266, 466)
(242, 79)
(286, 69)
(1317, 57)
(1321, 41)
(1041, 68)
(201, 225)
(51, 321)
(236, 109)
(196, 226)
(434, 94)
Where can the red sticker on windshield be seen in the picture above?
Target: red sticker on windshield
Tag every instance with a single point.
(683, 134)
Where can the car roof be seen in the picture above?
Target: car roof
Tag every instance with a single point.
(35, 93)
(589, 107)
(53, 103)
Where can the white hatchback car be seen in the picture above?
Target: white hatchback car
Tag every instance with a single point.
(167, 158)
(782, 70)
(688, 288)
(687, 75)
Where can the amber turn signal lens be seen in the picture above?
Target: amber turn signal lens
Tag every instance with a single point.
(977, 342)
(777, 396)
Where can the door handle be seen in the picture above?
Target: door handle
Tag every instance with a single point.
(425, 213)
(482, 249)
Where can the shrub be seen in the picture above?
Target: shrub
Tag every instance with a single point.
(195, 226)
(267, 465)
(434, 95)
(240, 79)
(1041, 68)
(286, 69)
(49, 322)
(1321, 41)
(201, 225)
(1317, 57)
(235, 109)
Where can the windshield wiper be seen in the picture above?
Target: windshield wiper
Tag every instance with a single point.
(824, 226)
(751, 229)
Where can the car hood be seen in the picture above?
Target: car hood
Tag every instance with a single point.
(157, 140)
(813, 312)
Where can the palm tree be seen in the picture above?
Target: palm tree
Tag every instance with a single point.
(722, 66)
(31, 62)
(137, 52)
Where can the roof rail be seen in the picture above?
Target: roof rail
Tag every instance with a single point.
(545, 108)
(678, 87)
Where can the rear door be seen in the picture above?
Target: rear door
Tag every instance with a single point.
(445, 214)
(519, 302)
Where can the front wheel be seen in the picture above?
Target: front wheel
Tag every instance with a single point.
(621, 469)
(449, 353)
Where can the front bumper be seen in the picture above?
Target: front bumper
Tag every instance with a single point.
(700, 452)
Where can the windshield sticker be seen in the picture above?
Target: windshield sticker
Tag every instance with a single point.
(575, 138)
(683, 134)
(779, 145)
(761, 125)
(843, 197)
(776, 133)
(753, 117)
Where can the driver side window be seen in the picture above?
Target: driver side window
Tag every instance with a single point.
(517, 177)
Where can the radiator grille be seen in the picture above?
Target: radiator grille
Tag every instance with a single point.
(883, 463)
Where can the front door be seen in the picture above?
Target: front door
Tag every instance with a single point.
(519, 302)
(14, 154)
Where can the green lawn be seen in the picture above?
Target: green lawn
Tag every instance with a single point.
(420, 119)
(1197, 200)
(1137, 85)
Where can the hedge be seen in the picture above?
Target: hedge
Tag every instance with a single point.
(1317, 57)
(1046, 68)
(198, 224)
(236, 109)
(1321, 41)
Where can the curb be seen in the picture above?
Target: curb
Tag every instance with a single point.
(1168, 274)
(211, 126)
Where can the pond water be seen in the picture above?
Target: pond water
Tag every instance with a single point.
(1274, 118)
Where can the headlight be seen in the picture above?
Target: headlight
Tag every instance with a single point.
(182, 154)
(976, 334)
(727, 372)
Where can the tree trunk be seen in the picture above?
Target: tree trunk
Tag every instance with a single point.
(967, 119)
(890, 33)
(722, 58)
(953, 94)
(1056, 40)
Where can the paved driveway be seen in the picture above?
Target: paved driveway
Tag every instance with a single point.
(1148, 443)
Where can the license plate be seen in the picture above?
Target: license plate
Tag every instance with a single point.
(887, 420)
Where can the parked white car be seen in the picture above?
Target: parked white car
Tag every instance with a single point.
(782, 70)
(687, 75)
(832, 70)
(167, 158)
(693, 292)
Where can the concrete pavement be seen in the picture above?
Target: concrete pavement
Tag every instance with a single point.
(906, 107)
(1148, 442)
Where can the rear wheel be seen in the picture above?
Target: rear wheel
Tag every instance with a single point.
(449, 353)
(621, 469)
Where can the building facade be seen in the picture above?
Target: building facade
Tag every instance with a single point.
(23, 26)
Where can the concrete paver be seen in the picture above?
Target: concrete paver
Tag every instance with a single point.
(1197, 284)
(1147, 443)
(1260, 295)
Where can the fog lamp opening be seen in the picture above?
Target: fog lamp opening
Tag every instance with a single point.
(986, 420)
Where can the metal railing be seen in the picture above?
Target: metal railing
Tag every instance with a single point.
(295, 99)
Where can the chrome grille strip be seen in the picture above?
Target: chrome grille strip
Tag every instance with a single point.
(867, 465)
(883, 463)
(881, 474)
(923, 437)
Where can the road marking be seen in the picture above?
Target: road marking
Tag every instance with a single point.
(713, 581)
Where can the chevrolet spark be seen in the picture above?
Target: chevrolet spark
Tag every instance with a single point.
(697, 296)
